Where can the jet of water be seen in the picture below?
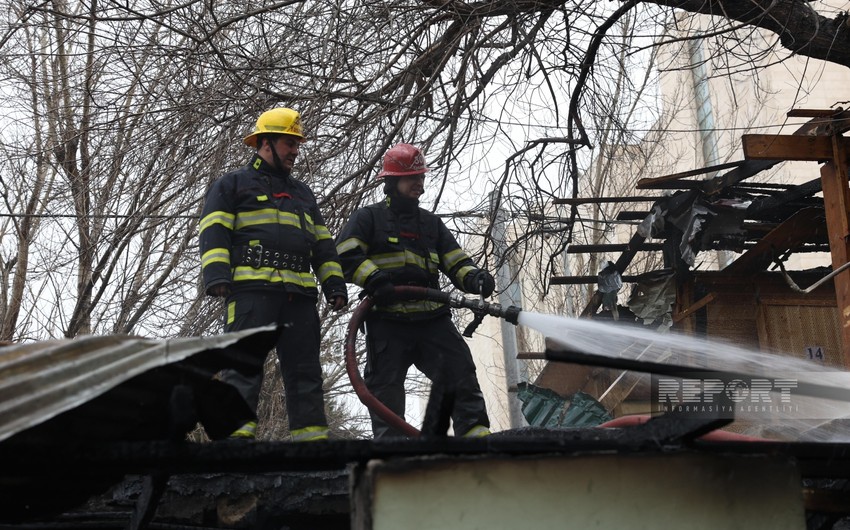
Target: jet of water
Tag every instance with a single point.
(805, 418)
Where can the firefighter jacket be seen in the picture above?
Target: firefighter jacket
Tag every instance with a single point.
(412, 245)
(261, 228)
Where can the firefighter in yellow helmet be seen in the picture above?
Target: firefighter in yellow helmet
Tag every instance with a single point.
(263, 246)
(395, 242)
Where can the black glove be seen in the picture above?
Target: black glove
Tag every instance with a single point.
(332, 299)
(380, 287)
(480, 282)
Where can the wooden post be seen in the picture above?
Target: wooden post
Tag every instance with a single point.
(832, 150)
(836, 199)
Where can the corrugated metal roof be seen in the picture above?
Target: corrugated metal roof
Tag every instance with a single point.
(39, 381)
(543, 407)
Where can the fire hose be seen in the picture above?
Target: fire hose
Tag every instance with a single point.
(406, 292)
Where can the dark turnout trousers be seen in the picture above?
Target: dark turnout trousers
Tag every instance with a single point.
(297, 349)
(437, 350)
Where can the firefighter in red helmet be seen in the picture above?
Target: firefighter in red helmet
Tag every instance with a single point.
(263, 246)
(395, 242)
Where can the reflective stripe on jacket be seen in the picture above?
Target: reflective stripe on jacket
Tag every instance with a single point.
(255, 205)
(413, 247)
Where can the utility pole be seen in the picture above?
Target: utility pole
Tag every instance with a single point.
(509, 294)
(705, 120)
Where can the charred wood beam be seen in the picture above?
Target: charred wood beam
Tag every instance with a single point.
(761, 206)
(825, 121)
(585, 280)
(794, 233)
(742, 172)
(674, 181)
(613, 247)
(153, 486)
(275, 457)
(627, 215)
(758, 186)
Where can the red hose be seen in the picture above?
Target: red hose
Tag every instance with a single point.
(366, 397)
(713, 436)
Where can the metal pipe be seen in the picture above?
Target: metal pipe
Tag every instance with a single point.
(815, 285)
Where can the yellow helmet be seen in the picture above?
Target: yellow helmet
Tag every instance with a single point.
(276, 121)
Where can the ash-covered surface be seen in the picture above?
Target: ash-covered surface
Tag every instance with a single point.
(299, 500)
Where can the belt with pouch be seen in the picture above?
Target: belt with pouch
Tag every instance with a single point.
(258, 256)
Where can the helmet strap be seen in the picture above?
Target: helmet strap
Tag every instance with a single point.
(278, 163)
(390, 185)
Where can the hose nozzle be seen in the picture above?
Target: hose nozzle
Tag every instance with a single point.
(510, 313)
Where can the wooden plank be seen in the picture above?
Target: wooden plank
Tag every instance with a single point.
(620, 389)
(736, 176)
(789, 147)
(613, 247)
(837, 201)
(801, 191)
(585, 280)
(670, 185)
(799, 300)
(811, 113)
(646, 183)
(692, 308)
(684, 298)
(531, 355)
(628, 215)
(826, 121)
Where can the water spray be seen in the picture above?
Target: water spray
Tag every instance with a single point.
(821, 393)
(408, 292)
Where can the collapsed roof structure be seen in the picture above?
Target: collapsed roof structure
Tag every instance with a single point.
(744, 302)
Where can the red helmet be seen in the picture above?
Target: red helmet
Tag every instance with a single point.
(401, 160)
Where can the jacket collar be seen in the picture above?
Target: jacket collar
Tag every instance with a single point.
(264, 167)
(402, 204)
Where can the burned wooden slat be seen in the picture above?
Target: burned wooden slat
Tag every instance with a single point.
(585, 280)
(823, 124)
(800, 228)
(734, 177)
(627, 215)
(693, 308)
(531, 355)
(824, 121)
(763, 206)
(613, 247)
(837, 202)
(790, 147)
(674, 180)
